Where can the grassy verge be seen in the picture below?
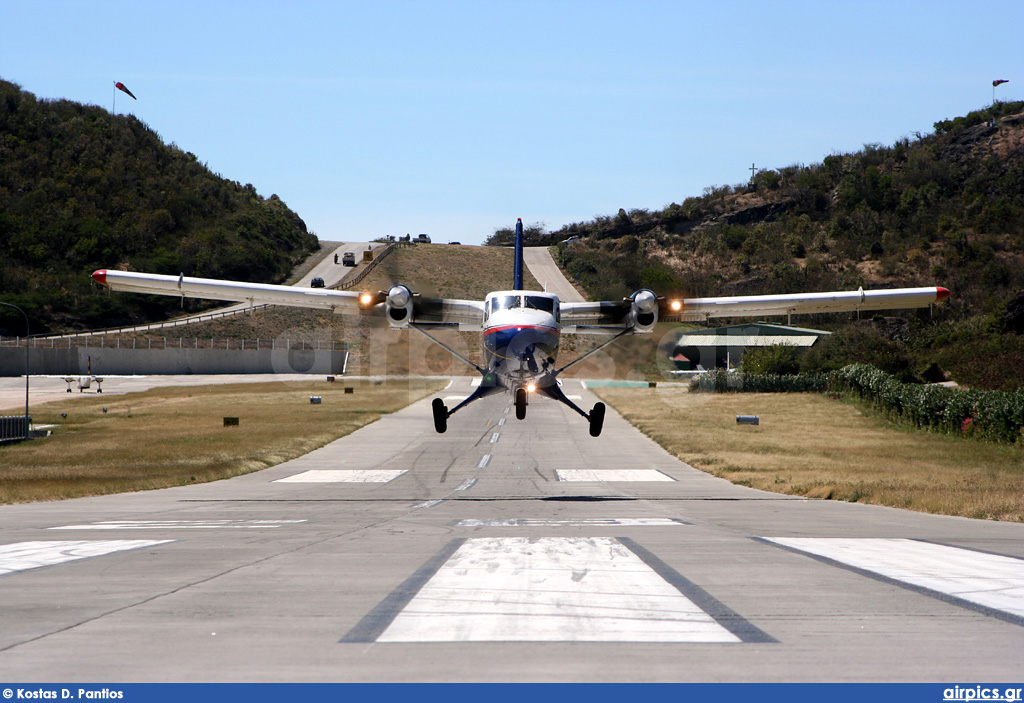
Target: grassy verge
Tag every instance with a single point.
(811, 445)
(176, 436)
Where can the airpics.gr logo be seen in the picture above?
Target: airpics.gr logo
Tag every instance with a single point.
(981, 693)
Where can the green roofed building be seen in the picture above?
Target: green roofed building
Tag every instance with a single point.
(723, 347)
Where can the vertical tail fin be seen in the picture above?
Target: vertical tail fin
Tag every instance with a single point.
(517, 284)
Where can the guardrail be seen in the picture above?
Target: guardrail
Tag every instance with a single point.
(109, 341)
(345, 285)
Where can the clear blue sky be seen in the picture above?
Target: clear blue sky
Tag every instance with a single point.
(455, 118)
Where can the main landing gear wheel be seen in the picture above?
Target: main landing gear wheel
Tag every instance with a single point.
(440, 415)
(596, 420)
(520, 403)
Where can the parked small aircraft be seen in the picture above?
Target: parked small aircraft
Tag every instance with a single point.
(521, 329)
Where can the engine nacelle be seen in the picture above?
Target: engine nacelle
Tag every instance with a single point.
(643, 314)
(398, 306)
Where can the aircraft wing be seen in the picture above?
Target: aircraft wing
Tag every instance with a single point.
(609, 316)
(465, 315)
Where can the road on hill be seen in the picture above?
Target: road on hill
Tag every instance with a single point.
(503, 550)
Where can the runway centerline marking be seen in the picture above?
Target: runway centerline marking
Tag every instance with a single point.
(484, 461)
(466, 485)
(550, 589)
(338, 476)
(22, 556)
(179, 524)
(495, 436)
(611, 475)
(991, 583)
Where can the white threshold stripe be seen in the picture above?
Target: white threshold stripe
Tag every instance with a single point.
(338, 476)
(179, 524)
(608, 475)
(550, 589)
(21, 556)
(579, 522)
(988, 580)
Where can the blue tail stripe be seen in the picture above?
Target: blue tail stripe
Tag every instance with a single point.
(517, 284)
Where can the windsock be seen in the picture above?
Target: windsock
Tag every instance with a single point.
(120, 86)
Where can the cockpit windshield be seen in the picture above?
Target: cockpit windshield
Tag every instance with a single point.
(537, 302)
(506, 302)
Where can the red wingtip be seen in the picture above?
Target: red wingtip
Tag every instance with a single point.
(941, 294)
(100, 276)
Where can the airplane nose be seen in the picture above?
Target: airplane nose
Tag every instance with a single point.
(100, 277)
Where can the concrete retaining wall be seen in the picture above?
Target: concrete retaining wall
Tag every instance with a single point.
(76, 361)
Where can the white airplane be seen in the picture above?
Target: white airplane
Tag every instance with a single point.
(521, 329)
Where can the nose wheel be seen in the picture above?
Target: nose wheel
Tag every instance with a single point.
(521, 403)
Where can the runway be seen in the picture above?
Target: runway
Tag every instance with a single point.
(503, 550)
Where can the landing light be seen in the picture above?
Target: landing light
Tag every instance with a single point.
(531, 388)
(365, 299)
(676, 305)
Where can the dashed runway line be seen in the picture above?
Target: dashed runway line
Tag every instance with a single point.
(495, 437)
(22, 556)
(466, 485)
(338, 476)
(579, 522)
(553, 590)
(484, 461)
(989, 582)
(611, 475)
(179, 524)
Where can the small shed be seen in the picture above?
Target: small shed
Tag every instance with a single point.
(723, 347)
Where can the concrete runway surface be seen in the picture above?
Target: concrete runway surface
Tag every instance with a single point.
(503, 550)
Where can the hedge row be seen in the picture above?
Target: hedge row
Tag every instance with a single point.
(721, 381)
(992, 415)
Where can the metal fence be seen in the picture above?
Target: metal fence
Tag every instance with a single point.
(15, 428)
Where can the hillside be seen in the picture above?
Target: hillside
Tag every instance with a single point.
(942, 209)
(82, 189)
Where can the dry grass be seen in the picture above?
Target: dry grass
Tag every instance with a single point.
(808, 444)
(176, 436)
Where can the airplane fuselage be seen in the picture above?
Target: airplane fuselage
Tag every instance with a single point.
(521, 334)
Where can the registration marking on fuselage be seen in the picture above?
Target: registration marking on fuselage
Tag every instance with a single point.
(992, 581)
(611, 475)
(179, 525)
(22, 556)
(338, 476)
(579, 522)
(549, 589)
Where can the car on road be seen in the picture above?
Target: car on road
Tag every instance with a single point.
(348, 258)
(316, 283)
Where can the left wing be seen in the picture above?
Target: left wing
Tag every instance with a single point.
(466, 315)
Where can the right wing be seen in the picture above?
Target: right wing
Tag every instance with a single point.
(609, 316)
